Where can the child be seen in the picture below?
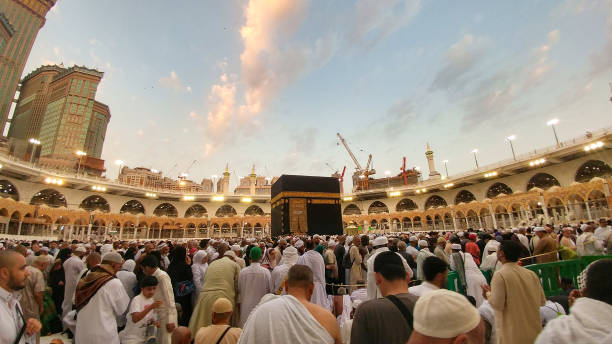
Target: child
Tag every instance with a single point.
(140, 314)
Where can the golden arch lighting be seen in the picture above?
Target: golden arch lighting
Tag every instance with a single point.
(490, 174)
(246, 200)
(394, 193)
(151, 195)
(419, 191)
(98, 188)
(218, 198)
(347, 198)
(537, 162)
(449, 185)
(188, 198)
(54, 181)
(593, 146)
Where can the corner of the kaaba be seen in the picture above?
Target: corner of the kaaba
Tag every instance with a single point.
(306, 205)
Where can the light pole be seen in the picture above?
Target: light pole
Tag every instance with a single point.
(34, 143)
(446, 167)
(119, 163)
(388, 173)
(510, 139)
(552, 124)
(80, 154)
(475, 150)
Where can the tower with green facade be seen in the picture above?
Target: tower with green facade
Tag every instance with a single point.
(20, 21)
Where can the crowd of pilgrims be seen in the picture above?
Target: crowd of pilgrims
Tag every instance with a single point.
(368, 288)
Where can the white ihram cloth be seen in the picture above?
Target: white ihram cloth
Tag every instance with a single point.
(314, 261)
(588, 322)
(473, 277)
(198, 270)
(422, 289)
(283, 319)
(347, 307)
(373, 291)
(96, 322)
(253, 283)
(72, 270)
(290, 257)
(167, 311)
(490, 262)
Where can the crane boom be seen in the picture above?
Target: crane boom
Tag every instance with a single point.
(350, 153)
(369, 161)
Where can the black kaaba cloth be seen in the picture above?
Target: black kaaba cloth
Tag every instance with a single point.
(306, 204)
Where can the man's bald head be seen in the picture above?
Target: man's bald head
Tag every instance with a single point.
(22, 250)
(12, 270)
(181, 335)
(93, 259)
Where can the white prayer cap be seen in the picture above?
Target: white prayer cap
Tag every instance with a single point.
(456, 247)
(494, 246)
(299, 244)
(106, 248)
(230, 253)
(349, 238)
(315, 236)
(112, 257)
(235, 247)
(423, 243)
(44, 248)
(331, 243)
(444, 314)
(379, 241)
(539, 229)
(81, 249)
(413, 238)
(460, 234)
(584, 226)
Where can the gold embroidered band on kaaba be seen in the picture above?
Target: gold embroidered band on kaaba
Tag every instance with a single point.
(287, 194)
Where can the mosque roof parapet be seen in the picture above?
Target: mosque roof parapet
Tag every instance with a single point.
(80, 69)
(45, 68)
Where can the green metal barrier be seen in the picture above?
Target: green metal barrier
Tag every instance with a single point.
(549, 274)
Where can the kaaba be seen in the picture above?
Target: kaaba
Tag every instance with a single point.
(306, 205)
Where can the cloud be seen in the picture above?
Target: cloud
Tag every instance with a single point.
(174, 83)
(398, 117)
(600, 61)
(461, 58)
(374, 20)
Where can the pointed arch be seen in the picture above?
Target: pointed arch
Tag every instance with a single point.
(49, 197)
(406, 204)
(543, 181)
(8, 190)
(226, 210)
(165, 209)
(464, 196)
(435, 201)
(378, 207)
(133, 207)
(592, 169)
(196, 210)
(498, 188)
(351, 209)
(95, 202)
(254, 210)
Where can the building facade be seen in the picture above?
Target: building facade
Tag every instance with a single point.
(20, 21)
(153, 179)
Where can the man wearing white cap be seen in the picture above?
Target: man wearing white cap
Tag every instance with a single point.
(423, 253)
(411, 249)
(380, 245)
(236, 249)
(72, 270)
(444, 316)
(220, 331)
(100, 299)
(587, 244)
(546, 247)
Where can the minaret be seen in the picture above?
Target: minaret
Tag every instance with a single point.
(226, 180)
(253, 179)
(433, 174)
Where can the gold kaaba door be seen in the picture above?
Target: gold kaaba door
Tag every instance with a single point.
(298, 222)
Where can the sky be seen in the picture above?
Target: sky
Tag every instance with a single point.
(270, 82)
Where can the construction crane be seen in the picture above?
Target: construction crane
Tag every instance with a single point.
(186, 173)
(340, 177)
(361, 176)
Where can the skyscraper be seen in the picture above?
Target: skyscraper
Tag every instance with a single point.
(20, 21)
(57, 106)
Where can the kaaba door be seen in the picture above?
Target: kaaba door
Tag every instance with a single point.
(298, 217)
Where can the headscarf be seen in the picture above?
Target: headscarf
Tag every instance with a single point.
(198, 256)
